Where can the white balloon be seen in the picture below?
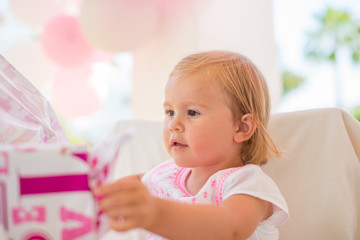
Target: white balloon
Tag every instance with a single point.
(36, 13)
(29, 58)
(119, 25)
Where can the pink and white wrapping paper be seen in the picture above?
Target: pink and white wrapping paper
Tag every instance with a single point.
(25, 115)
(45, 193)
(46, 182)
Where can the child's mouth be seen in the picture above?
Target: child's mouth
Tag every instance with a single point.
(177, 144)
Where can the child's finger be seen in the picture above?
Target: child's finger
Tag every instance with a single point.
(123, 224)
(128, 211)
(117, 200)
(122, 184)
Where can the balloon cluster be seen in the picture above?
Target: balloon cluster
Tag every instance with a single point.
(74, 34)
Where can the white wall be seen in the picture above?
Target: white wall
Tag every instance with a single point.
(238, 25)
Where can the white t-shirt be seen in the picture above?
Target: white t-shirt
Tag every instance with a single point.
(168, 181)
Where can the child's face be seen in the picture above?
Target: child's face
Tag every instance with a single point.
(199, 126)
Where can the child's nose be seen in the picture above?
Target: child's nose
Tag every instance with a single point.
(176, 125)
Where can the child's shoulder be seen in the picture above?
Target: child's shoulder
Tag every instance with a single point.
(246, 170)
(247, 174)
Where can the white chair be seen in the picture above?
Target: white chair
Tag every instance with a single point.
(319, 174)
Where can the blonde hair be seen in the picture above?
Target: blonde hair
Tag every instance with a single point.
(245, 87)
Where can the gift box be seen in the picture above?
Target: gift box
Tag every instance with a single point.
(47, 183)
(45, 193)
(46, 190)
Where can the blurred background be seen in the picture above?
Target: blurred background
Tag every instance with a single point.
(101, 61)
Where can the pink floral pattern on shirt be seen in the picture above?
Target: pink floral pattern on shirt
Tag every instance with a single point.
(168, 181)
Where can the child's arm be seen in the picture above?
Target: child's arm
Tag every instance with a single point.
(128, 199)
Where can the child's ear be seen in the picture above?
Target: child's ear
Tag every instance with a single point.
(245, 128)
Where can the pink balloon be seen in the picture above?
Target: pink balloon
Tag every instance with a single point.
(119, 25)
(72, 93)
(36, 13)
(64, 42)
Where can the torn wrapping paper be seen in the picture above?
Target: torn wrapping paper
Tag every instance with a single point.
(25, 115)
(46, 182)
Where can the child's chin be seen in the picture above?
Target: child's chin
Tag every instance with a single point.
(182, 163)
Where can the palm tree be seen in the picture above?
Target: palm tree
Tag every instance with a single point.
(337, 31)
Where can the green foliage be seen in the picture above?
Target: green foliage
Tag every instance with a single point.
(291, 81)
(356, 112)
(336, 29)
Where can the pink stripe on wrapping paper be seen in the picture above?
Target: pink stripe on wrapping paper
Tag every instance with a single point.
(4, 163)
(37, 236)
(9, 71)
(5, 104)
(26, 136)
(82, 156)
(54, 184)
(3, 206)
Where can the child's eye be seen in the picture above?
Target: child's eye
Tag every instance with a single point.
(169, 113)
(193, 113)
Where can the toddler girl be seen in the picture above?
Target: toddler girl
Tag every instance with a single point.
(216, 112)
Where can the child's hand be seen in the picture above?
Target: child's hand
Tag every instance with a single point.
(127, 203)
